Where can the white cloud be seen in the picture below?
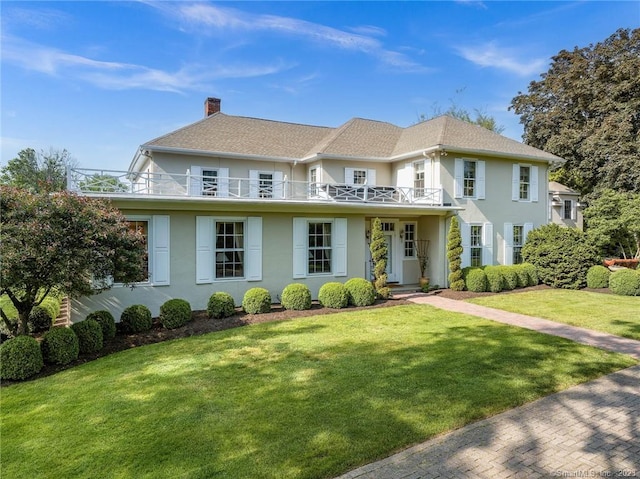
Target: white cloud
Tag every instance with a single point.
(210, 19)
(39, 19)
(123, 76)
(493, 56)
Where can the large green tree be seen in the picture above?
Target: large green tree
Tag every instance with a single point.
(586, 109)
(38, 171)
(613, 223)
(62, 241)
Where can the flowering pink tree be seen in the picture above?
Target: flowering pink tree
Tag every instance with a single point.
(63, 241)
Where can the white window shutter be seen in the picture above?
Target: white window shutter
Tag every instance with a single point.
(278, 184)
(487, 243)
(339, 242)
(573, 210)
(348, 176)
(371, 177)
(428, 173)
(480, 182)
(195, 181)
(205, 249)
(534, 183)
(253, 257)
(223, 182)
(515, 183)
(508, 243)
(528, 227)
(300, 252)
(405, 176)
(253, 183)
(160, 251)
(458, 177)
(465, 233)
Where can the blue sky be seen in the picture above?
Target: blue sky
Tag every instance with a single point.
(100, 78)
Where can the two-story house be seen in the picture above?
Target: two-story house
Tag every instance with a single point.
(230, 202)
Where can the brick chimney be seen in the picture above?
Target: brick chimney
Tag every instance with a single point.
(211, 106)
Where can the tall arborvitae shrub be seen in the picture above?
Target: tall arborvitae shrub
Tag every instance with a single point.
(454, 252)
(378, 248)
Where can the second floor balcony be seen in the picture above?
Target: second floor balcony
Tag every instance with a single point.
(263, 188)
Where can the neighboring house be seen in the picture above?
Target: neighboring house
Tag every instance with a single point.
(564, 206)
(229, 203)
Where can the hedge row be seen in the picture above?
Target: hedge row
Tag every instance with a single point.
(625, 282)
(499, 277)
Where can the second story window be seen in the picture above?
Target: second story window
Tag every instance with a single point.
(525, 182)
(418, 178)
(469, 185)
(359, 177)
(567, 210)
(265, 185)
(210, 182)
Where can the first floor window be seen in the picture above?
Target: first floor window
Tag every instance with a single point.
(567, 209)
(409, 240)
(518, 241)
(230, 247)
(319, 241)
(476, 245)
(210, 182)
(142, 227)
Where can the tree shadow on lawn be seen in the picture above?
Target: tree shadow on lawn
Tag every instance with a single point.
(316, 411)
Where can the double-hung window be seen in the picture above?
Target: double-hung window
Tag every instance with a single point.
(518, 242)
(230, 248)
(475, 242)
(265, 185)
(209, 182)
(418, 179)
(319, 241)
(469, 179)
(409, 240)
(524, 183)
(514, 236)
(567, 210)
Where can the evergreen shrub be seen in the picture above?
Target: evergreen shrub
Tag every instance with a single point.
(531, 273)
(136, 319)
(495, 280)
(509, 277)
(333, 295)
(296, 296)
(256, 301)
(598, 276)
(89, 334)
(221, 305)
(361, 292)
(106, 321)
(60, 346)
(625, 282)
(20, 358)
(475, 280)
(175, 313)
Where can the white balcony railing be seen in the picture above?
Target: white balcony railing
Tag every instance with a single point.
(123, 183)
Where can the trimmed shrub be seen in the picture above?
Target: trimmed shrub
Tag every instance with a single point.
(20, 358)
(256, 301)
(531, 273)
(40, 320)
(221, 305)
(106, 321)
(598, 276)
(89, 334)
(475, 280)
(296, 296)
(509, 277)
(60, 346)
(454, 253)
(361, 292)
(495, 280)
(562, 256)
(175, 313)
(135, 319)
(625, 282)
(521, 275)
(333, 295)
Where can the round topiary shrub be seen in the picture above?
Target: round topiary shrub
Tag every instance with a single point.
(106, 321)
(135, 319)
(598, 276)
(625, 282)
(40, 320)
(221, 305)
(20, 358)
(296, 296)
(60, 346)
(495, 280)
(510, 278)
(361, 292)
(532, 273)
(333, 295)
(175, 313)
(89, 334)
(256, 301)
(476, 280)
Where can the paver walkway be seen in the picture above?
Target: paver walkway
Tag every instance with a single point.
(590, 430)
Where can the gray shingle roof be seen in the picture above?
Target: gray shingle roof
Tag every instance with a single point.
(358, 138)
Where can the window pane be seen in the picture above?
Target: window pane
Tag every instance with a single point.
(469, 185)
(319, 242)
(359, 177)
(524, 182)
(230, 249)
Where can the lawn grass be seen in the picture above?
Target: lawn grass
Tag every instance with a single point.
(609, 313)
(310, 398)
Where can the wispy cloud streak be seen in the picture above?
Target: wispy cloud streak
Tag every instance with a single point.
(493, 56)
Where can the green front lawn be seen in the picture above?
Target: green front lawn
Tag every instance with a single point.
(310, 398)
(609, 313)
